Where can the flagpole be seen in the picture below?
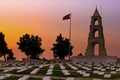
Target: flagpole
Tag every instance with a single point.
(70, 36)
(69, 33)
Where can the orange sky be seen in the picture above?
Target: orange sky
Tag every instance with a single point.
(44, 18)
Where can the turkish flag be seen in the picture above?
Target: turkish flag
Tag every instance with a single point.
(67, 17)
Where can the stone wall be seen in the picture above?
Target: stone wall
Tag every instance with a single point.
(95, 59)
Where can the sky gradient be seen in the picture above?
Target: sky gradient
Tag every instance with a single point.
(44, 18)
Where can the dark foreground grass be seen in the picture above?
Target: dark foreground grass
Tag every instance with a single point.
(96, 76)
(74, 74)
(34, 79)
(67, 67)
(13, 78)
(56, 67)
(57, 79)
(43, 70)
(13, 71)
(115, 76)
(1, 71)
(27, 71)
(57, 73)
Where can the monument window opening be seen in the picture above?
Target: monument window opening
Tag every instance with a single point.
(96, 34)
(96, 22)
(96, 50)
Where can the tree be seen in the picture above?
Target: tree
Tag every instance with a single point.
(31, 45)
(3, 46)
(10, 55)
(61, 48)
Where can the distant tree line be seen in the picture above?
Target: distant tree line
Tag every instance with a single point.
(31, 46)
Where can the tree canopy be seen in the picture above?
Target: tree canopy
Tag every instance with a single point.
(10, 55)
(3, 46)
(31, 45)
(62, 47)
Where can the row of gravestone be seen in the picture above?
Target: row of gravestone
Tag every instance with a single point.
(99, 70)
(25, 77)
(14, 64)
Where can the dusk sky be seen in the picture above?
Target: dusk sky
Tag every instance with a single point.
(44, 18)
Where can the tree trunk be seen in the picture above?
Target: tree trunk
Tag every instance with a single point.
(5, 57)
(61, 57)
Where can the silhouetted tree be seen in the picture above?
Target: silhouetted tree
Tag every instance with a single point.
(10, 55)
(3, 46)
(31, 45)
(61, 48)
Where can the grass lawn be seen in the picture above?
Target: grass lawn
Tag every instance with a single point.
(115, 76)
(56, 67)
(58, 79)
(74, 74)
(13, 78)
(43, 70)
(34, 79)
(1, 71)
(67, 67)
(13, 71)
(92, 75)
(27, 71)
(57, 73)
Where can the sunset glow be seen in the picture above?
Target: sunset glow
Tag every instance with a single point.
(44, 18)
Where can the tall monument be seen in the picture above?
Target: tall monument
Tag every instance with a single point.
(93, 40)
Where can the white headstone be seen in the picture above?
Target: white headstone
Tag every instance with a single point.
(46, 78)
(101, 73)
(70, 78)
(107, 75)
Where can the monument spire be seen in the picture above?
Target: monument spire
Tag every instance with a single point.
(96, 13)
(93, 40)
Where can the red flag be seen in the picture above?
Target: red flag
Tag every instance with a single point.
(67, 17)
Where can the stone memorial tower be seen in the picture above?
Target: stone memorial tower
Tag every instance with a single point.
(96, 26)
